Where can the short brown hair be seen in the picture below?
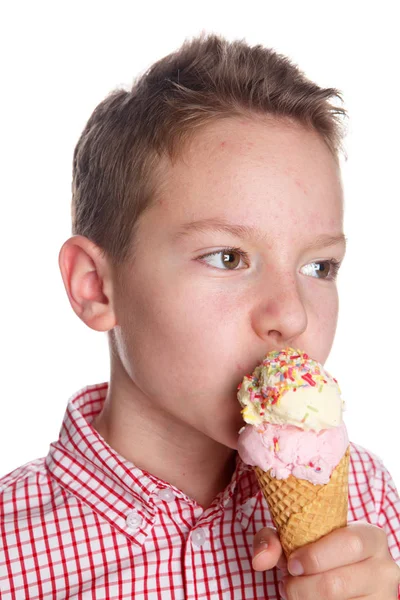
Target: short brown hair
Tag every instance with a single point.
(118, 155)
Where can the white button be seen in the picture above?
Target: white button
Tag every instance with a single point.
(198, 537)
(167, 495)
(134, 520)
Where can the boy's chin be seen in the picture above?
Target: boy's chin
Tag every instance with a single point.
(233, 443)
(230, 436)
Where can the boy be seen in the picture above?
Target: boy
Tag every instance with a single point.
(207, 221)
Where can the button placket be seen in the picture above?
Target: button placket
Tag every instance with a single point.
(245, 512)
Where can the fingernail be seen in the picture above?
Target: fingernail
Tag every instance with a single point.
(282, 592)
(295, 567)
(261, 549)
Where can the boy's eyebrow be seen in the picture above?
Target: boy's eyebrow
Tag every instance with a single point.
(245, 232)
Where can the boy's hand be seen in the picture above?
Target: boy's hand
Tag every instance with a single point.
(351, 562)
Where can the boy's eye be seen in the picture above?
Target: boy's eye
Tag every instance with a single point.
(230, 259)
(324, 269)
(234, 259)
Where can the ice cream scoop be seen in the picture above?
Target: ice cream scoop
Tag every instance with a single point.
(288, 450)
(289, 388)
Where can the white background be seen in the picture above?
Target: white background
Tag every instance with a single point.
(59, 60)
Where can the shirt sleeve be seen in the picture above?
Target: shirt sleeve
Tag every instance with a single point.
(389, 510)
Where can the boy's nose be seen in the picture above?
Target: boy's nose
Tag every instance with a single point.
(280, 315)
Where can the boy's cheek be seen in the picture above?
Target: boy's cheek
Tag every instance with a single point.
(186, 353)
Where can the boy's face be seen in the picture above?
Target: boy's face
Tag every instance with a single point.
(201, 305)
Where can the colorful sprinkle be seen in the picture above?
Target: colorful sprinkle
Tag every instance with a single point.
(307, 377)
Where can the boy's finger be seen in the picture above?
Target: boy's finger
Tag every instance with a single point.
(369, 579)
(267, 551)
(343, 546)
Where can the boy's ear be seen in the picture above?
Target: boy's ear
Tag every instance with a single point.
(88, 282)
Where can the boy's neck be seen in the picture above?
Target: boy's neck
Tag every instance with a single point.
(194, 463)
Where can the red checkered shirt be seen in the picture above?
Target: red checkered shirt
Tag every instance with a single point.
(86, 523)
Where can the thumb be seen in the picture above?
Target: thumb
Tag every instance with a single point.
(267, 550)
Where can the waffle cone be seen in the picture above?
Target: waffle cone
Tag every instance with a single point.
(303, 512)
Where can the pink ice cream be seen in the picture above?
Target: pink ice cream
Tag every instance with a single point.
(288, 450)
(293, 410)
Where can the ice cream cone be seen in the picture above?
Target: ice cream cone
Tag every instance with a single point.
(303, 512)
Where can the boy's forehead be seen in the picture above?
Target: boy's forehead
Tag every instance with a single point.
(243, 135)
(238, 168)
(222, 153)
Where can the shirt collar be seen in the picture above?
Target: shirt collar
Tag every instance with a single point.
(85, 465)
